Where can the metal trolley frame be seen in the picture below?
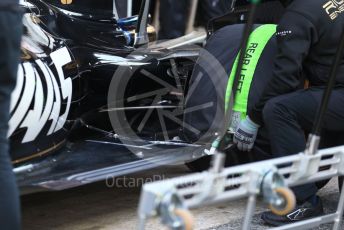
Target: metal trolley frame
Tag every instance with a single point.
(251, 180)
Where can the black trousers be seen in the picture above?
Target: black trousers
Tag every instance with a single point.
(10, 36)
(288, 117)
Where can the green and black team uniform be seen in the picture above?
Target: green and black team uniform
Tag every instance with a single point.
(10, 36)
(303, 48)
(224, 45)
(308, 37)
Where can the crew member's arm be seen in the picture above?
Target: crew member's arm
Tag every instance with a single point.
(295, 35)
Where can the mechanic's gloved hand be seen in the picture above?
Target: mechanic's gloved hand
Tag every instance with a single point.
(246, 134)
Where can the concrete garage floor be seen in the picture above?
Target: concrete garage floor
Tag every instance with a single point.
(113, 204)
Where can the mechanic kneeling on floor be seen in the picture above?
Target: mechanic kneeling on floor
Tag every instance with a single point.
(10, 36)
(308, 36)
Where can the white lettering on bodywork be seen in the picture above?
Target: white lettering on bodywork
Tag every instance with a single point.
(38, 89)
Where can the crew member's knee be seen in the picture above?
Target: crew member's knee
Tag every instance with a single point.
(275, 110)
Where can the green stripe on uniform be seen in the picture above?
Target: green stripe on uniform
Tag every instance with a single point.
(257, 42)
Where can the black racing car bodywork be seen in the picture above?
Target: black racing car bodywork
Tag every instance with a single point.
(63, 54)
(96, 97)
(60, 131)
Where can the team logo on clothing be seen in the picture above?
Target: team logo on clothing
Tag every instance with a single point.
(283, 33)
(333, 8)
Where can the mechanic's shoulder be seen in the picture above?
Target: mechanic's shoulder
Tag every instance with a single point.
(313, 10)
(307, 5)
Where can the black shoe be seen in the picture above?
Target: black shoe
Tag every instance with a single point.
(304, 211)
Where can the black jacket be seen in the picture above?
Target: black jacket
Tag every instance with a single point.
(308, 36)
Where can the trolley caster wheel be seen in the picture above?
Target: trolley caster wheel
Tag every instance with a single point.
(186, 217)
(288, 204)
